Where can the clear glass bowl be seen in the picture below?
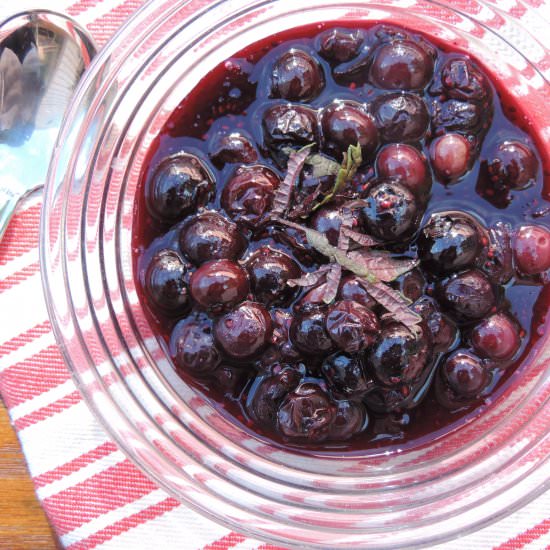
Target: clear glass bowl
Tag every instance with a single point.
(452, 486)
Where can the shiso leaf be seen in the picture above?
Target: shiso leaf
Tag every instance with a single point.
(283, 194)
(310, 279)
(393, 301)
(382, 264)
(322, 165)
(360, 238)
(332, 284)
(350, 163)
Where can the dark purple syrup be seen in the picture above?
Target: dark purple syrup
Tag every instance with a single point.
(233, 99)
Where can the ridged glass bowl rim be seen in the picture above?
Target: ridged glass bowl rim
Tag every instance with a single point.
(81, 170)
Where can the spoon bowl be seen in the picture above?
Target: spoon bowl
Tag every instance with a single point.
(42, 57)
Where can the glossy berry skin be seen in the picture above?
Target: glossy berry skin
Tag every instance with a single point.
(165, 282)
(288, 124)
(269, 270)
(352, 326)
(266, 395)
(512, 164)
(465, 374)
(401, 116)
(345, 375)
(350, 419)
(497, 337)
(401, 65)
(308, 331)
(462, 80)
(306, 414)
(181, 184)
(210, 236)
(345, 124)
(340, 45)
(232, 148)
(448, 242)
(297, 76)
(244, 332)
(351, 289)
(328, 220)
(467, 296)
(531, 249)
(406, 164)
(399, 356)
(219, 285)
(411, 284)
(248, 194)
(457, 116)
(444, 332)
(450, 155)
(192, 347)
(390, 211)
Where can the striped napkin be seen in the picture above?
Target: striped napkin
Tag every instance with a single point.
(93, 495)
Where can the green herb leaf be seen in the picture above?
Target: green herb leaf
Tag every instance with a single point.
(322, 165)
(351, 162)
(381, 264)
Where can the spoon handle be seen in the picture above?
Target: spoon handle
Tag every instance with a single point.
(8, 203)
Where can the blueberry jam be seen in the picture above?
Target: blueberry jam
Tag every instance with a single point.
(343, 238)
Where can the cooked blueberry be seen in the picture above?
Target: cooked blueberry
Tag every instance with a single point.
(231, 148)
(401, 116)
(328, 220)
(245, 331)
(399, 356)
(350, 419)
(308, 331)
(248, 194)
(531, 247)
(219, 285)
(451, 156)
(192, 347)
(345, 375)
(181, 184)
(230, 379)
(306, 414)
(269, 270)
(210, 236)
(291, 125)
(390, 211)
(401, 65)
(352, 289)
(165, 282)
(497, 261)
(352, 326)
(340, 45)
(465, 374)
(497, 337)
(267, 393)
(458, 116)
(407, 165)
(512, 164)
(461, 79)
(468, 295)
(443, 331)
(345, 124)
(411, 284)
(297, 76)
(448, 242)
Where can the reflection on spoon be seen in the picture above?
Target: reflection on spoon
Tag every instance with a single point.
(42, 57)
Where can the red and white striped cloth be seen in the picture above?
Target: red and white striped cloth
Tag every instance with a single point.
(92, 494)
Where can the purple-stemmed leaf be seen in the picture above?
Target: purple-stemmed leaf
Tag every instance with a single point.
(392, 301)
(382, 264)
(312, 278)
(359, 238)
(283, 194)
(332, 284)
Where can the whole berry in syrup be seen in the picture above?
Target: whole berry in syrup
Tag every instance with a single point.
(341, 234)
(248, 194)
(297, 76)
(211, 236)
(181, 184)
(165, 282)
(219, 285)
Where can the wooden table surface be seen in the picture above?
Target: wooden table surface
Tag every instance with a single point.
(23, 524)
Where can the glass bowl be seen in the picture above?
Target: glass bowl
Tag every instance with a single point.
(423, 495)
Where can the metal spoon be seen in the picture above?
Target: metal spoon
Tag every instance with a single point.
(42, 57)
